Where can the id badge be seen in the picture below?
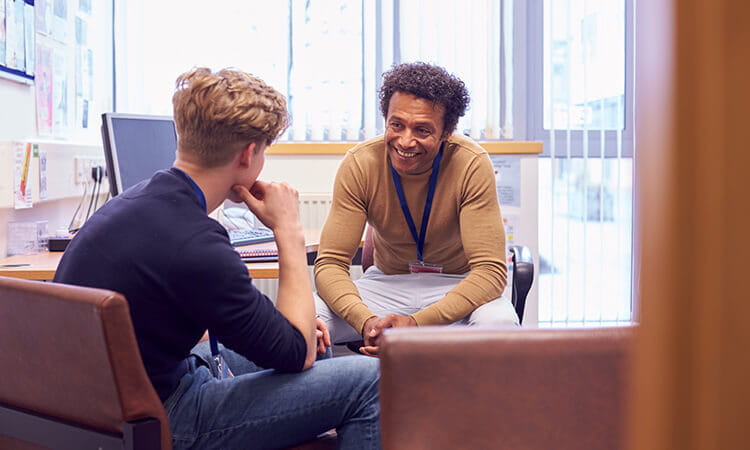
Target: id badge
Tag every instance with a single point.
(222, 369)
(421, 267)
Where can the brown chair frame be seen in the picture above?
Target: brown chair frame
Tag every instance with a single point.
(73, 376)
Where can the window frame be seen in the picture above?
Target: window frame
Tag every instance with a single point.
(534, 93)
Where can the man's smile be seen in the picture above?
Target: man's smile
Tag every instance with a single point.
(406, 154)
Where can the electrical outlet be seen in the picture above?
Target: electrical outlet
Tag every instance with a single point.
(80, 170)
(83, 165)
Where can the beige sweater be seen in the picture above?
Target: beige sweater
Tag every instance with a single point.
(464, 232)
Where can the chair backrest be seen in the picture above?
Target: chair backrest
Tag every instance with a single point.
(523, 277)
(533, 389)
(368, 250)
(523, 270)
(69, 353)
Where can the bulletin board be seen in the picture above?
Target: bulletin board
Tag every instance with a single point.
(17, 40)
(61, 51)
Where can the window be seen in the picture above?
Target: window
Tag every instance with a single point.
(327, 56)
(558, 71)
(584, 118)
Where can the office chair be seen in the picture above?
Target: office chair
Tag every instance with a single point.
(73, 377)
(521, 269)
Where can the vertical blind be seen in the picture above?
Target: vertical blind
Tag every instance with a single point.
(585, 207)
(327, 56)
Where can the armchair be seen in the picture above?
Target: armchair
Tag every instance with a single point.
(72, 373)
(530, 389)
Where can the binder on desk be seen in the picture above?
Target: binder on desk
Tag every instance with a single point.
(259, 254)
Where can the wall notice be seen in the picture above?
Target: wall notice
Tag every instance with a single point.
(507, 179)
(22, 168)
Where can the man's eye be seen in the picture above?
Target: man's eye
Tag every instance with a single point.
(423, 131)
(395, 125)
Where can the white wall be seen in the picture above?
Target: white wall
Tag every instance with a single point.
(16, 111)
(63, 194)
(18, 123)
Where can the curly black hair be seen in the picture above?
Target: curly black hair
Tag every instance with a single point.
(429, 82)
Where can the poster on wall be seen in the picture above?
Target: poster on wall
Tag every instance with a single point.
(42, 172)
(43, 88)
(84, 72)
(59, 94)
(2, 33)
(60, 20)
(12, 37)
(29, 37)
(43, 12)
(84, 6)
(512, 223)
(507, 179)
(19, 37)
(21, 180)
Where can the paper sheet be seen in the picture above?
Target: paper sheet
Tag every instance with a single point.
(29, 37)
(2, 33)
(43, 88)
(43, 13)
(59, 94)
(21, 171)
(507, 179)
(42, 154)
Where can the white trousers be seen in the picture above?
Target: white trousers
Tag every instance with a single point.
(406, 294)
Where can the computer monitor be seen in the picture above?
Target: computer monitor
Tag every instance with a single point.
(136, 146)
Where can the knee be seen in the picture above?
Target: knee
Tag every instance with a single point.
(498, 313)
(367, 367)
(364, 369)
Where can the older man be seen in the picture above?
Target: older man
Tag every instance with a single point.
(429, 196)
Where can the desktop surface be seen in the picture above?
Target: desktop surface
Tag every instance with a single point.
(42, 266)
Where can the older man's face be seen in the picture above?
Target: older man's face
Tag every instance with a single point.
(413, 132)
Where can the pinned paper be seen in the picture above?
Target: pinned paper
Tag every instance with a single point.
(21, 175)
(507, 179)
(42, 154)
(512, 223)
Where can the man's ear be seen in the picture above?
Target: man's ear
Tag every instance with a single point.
(445, 135)
(246, 155)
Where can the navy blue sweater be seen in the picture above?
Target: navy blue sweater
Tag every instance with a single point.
(175, 265)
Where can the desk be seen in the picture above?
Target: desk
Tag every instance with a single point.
(42, 266)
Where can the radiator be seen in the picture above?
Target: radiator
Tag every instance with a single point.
(313, 209)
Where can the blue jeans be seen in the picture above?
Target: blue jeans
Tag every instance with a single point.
(268, 409)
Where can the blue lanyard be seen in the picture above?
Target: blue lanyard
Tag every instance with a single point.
(418, 238)
(202, 200)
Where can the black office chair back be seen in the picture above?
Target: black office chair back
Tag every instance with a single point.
(523, 277)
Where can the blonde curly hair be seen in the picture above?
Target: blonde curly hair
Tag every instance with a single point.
(218, 114)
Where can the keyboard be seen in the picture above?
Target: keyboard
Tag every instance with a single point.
(250, 236)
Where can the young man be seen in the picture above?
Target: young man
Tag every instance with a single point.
(175, 265)
(429, 196)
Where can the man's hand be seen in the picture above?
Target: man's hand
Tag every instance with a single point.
(274, 204)
(373, 330)
(277, 206)
(321, 333)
